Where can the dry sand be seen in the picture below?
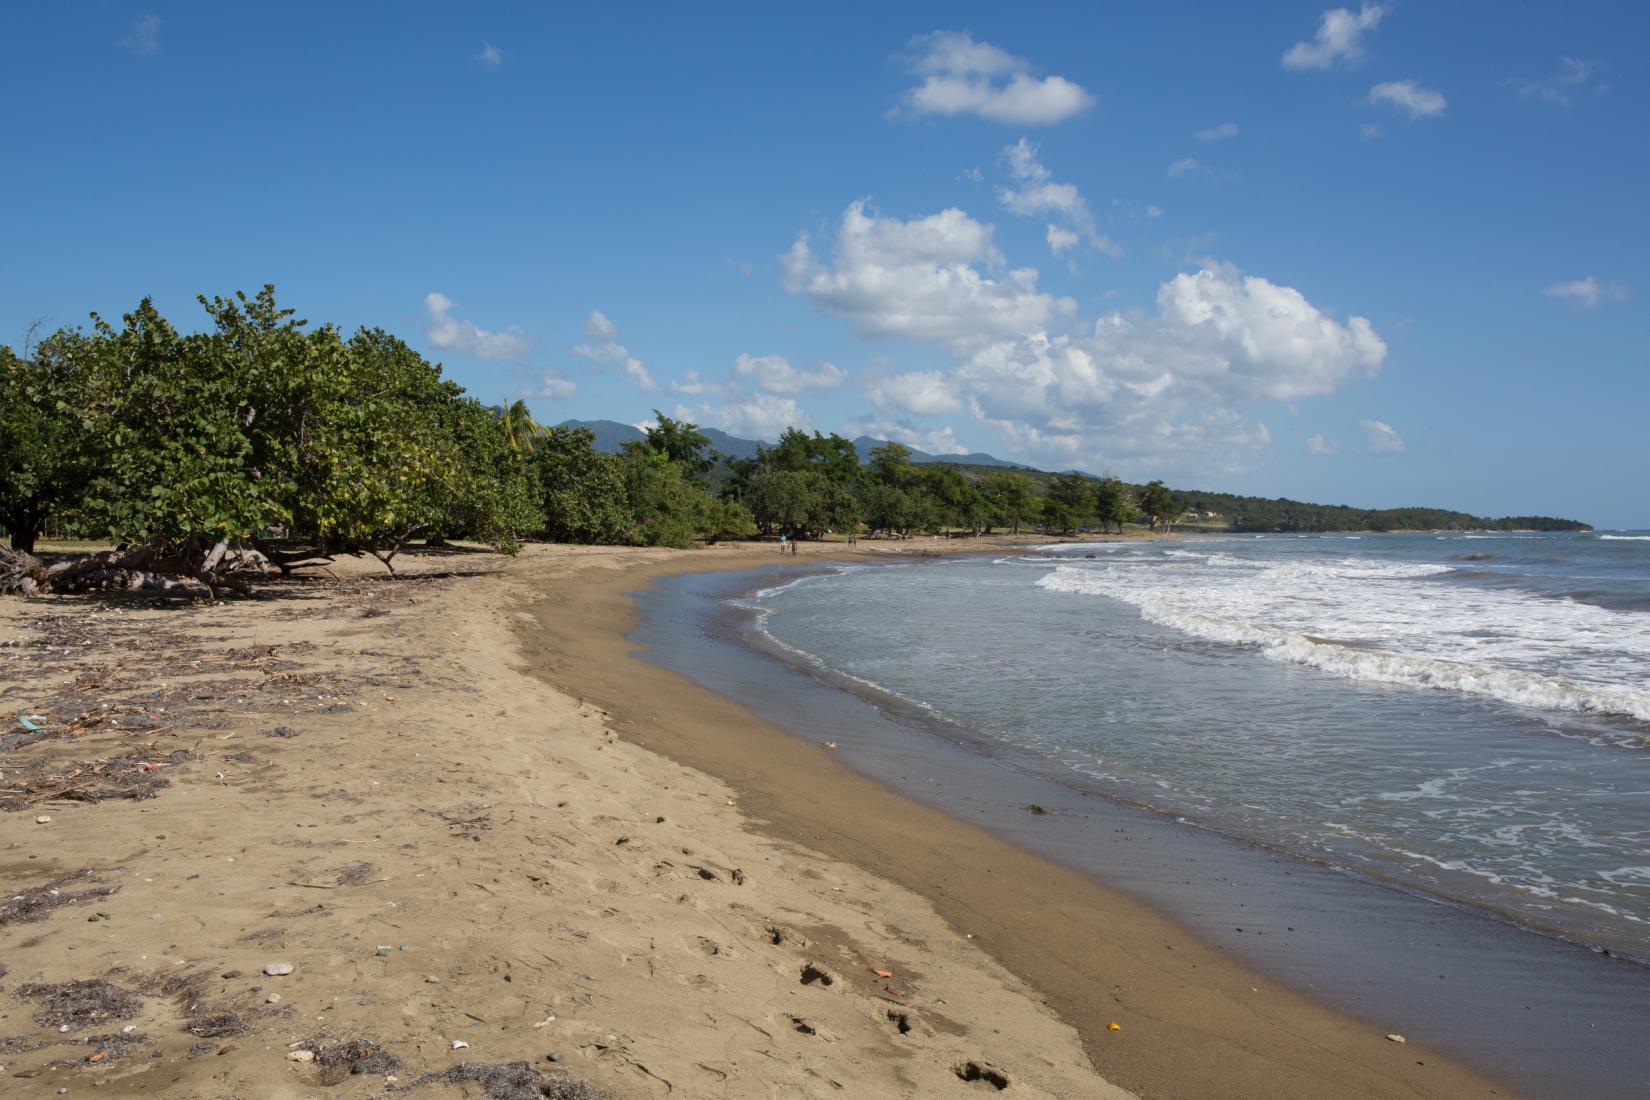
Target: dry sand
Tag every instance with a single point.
(385, 791)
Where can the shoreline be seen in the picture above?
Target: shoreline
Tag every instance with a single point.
(760, 643)
(1194, 1021)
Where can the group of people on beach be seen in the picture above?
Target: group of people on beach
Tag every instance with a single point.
(785, 541)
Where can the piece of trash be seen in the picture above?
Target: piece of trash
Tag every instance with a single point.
(1114, 1026)
(1396, 1038)
(882, 973)
(98, 1057)
(830, 744)
(460, 1044)
(29, 724)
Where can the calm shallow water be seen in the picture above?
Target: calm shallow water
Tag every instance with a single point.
(1467, 716)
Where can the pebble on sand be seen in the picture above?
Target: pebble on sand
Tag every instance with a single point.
(460, 1044)
(42, 819)
(300, 1056)
(275, 970)
(1395, 1037)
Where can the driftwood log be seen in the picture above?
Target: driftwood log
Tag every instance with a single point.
(190, 565)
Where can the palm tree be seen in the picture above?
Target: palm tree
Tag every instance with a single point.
(520, 428)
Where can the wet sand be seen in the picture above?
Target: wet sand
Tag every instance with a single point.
(1193, 1022)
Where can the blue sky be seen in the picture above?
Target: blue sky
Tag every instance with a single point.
(1385, 254)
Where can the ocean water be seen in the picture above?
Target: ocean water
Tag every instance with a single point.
(1465, 716)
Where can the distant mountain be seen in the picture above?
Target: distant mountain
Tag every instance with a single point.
(865, 445)
(611, 436)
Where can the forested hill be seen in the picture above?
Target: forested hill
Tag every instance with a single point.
(1237, 513)
(1260, 514)
(611, 436)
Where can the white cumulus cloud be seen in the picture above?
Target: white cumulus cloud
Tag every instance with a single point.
(443, 331)
(961, 76)
(920, 279)
(760, 416)
(1409, 97)
(921, 393)
(775, 374)
(938, 441)
(1169, 390)
(1339, 38)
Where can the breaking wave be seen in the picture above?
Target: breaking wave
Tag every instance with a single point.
(1361, 621)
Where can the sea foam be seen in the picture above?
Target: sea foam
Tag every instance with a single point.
(1371, 621)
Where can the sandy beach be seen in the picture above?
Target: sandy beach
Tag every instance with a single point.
(480, 833)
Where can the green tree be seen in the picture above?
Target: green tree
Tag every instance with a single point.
(1111, 504)
(683, 444)
(49, 448)
(1011, 500)
(582, 490)
(522, 431)
(1076, 493)
(1159, 504)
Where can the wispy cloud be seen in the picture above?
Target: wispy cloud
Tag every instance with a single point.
(1224, 132)
(963, 77)
(1575, 72)
(1410, 97)
(490, 55)
(554, 385)
(1339, 38)
(144, 36)
(605, 350)
(1191, 168)
(444, 331)
(1036, 194)
(1382, 438)
(1587, 293)
(1318, 445)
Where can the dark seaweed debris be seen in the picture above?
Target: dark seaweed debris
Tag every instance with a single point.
(80, 1003)
(514, 1081)
(341, 1058)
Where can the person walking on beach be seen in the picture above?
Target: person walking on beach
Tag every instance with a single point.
(793, 548)
(781, 544)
